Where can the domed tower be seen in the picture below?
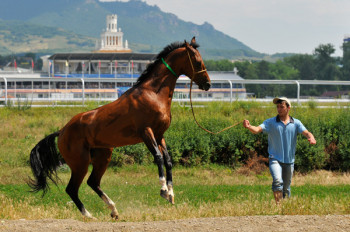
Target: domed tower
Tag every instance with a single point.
(112, 37)
(111, 23)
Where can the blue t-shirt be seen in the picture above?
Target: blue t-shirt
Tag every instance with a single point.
(282, 138)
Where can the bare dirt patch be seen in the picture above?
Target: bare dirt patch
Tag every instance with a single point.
(248, 223)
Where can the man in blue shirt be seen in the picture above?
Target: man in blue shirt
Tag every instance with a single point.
(282, 133)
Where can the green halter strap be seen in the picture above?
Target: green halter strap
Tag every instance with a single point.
(170, 69)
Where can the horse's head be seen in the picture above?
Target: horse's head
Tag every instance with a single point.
(198, 71)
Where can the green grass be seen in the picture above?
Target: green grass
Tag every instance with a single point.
(211, 191)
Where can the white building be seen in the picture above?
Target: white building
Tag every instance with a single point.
(346, 38)
(112, 37)
(104, 75)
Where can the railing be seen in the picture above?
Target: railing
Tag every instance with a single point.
(83, 89)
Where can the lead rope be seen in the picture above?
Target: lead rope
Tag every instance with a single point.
(200, 126)
(194, 73)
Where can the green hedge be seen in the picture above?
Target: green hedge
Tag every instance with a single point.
(189, 145)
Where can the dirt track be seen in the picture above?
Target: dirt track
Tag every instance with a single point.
(250, 223)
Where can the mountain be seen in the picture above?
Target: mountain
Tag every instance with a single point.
(146, 27)
(19, 37)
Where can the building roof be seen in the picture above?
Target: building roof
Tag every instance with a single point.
(102, 56)
(334, 93)
(218, 76)
(224, 76)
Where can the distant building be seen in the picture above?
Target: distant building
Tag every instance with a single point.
(112, 38)
(223, 85)
(346, 38)
(336, 94)
(106, 73)
(111, 58)
(106, 65)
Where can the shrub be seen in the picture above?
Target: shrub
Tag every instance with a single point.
(189, 145)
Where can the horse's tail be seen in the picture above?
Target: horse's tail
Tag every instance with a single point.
(44, 159)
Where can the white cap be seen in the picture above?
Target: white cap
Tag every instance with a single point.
(275, 100)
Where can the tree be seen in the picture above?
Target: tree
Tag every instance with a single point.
(220, 65)
(242, 68)
(346, 61)
(305, 64)
(263, 70)
(30, 55)
(325, 64)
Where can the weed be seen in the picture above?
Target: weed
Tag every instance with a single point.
(312, 104)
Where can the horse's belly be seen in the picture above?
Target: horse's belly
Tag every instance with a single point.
(116, 137)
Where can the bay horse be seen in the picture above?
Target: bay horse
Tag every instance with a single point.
(141, 114)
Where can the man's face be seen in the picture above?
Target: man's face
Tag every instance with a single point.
(282, 109)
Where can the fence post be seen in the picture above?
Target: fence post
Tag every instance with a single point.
(298, 92)
(5, 81)
(230, 90)
(83, 90)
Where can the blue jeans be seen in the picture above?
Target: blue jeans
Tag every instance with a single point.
(281, 176)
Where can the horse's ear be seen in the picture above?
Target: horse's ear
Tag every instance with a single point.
(193, 41)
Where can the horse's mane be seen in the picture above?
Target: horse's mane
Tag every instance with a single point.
(168, 49)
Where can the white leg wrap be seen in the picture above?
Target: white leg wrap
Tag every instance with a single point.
(86, 213)
(162, 181)
(170, 190)
(108, 201)
(110, 204)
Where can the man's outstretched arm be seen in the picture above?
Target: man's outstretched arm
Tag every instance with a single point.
(309, 137)
(253, 129)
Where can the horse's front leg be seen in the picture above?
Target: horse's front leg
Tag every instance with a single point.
(169, 176)
(151, 143)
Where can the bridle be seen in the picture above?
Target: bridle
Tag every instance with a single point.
(194, 73)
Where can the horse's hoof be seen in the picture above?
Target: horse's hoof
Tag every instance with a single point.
(172, 199)
(115, 216)
(164, 194)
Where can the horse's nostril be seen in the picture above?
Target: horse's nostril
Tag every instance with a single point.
(207, 86)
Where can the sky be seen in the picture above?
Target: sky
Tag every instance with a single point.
(270, 26)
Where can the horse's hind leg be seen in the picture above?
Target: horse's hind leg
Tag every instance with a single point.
(100, 159)
(79, 170)
(168, 166)
(151, 143)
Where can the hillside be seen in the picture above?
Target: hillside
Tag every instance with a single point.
(146, 27)
(19, 37)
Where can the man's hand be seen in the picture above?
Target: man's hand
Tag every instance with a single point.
(246, 123)
(253, 129)
(310, 137)
(312, 140)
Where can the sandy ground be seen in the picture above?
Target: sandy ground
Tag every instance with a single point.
(295, 223)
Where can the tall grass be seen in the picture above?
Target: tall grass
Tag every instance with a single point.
(22, 128)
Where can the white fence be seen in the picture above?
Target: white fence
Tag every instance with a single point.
(8, 85)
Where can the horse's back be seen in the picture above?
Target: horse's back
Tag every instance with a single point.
(108, 126)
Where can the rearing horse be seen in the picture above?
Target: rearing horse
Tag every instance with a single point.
(142, 114)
